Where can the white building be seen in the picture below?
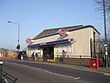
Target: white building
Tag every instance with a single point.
(74, 40)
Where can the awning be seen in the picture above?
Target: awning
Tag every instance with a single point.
(52, 43)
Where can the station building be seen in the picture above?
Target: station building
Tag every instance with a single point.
(74, 40)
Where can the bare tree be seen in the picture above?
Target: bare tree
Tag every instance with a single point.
(104, 7)
(107, 5)
(101, 3)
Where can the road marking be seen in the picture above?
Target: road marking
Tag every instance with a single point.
(40, 69)
(77, 78)
(107, 74)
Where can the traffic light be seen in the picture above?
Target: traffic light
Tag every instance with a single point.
(18, 47)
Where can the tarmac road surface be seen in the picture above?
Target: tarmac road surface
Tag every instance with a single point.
(35, 72)
(27, 74)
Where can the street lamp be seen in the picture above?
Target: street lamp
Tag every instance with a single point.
(18, 46)
(105, 46)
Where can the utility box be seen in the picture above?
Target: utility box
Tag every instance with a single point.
(94, 63)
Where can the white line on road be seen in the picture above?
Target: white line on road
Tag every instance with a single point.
(40, 69)
(76, 78)
(107, 74)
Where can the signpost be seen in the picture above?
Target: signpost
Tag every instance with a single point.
(29, 41)
(62, 32)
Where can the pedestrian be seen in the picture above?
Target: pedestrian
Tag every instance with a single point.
(33, 56)
(63, 56)
(26, 56)
(36, 55)
(63, 53)
(21, 57)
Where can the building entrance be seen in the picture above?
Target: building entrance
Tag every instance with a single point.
(48, 52)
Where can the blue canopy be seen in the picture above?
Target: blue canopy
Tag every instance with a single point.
(52, 42)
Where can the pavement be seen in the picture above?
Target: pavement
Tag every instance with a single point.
(105, 71)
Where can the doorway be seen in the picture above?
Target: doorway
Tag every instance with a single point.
(48, 52)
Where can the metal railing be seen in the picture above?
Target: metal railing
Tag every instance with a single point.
(7, 78)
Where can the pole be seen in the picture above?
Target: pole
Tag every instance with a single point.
(106, 53)
(91, 48)
(18, 26)
(94, 46)
(18, 32)
(104, 20)
(18, 36)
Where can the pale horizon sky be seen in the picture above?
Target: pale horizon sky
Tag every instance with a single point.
(36, 15)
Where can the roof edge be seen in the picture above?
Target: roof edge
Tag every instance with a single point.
(80, 27)
(93, 28)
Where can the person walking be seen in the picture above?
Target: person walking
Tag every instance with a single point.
(63, 56)
(33, 56)
(36, 56)
(22, 58)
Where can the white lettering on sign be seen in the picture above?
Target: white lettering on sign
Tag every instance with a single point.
(43, 43)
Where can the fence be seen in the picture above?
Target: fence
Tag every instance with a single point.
(7, 78)
(75, 59)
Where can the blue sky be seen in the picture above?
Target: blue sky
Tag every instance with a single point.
(36, 15)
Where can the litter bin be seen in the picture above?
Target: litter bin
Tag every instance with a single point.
(94, 63)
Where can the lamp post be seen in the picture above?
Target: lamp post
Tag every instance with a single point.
(105, 32)
(18, 46)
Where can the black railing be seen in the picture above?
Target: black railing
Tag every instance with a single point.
(7, 78)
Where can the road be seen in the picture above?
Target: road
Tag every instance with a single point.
(35, 72)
